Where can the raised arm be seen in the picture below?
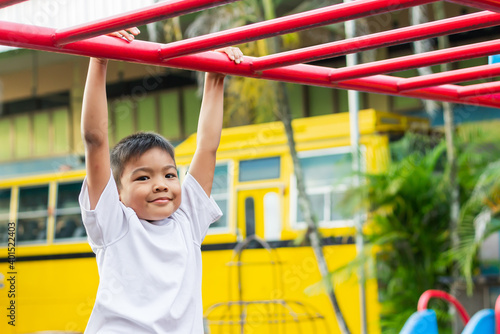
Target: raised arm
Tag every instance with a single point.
(95, 129)
(210, 125)
(95, 123)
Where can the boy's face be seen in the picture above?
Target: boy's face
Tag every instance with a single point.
(150, 185)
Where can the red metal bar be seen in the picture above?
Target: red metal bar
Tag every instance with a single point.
(479, 89)
(159, 11)
(383, 39)
(280, 26)
(427, 295)
(466, 74)
(39, 38)
(493, 5)
(415, 61)
(6, 3)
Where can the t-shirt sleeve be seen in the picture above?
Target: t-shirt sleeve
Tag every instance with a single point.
(107, 222)
(200, 209)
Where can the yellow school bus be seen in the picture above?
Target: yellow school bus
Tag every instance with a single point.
(257, 278)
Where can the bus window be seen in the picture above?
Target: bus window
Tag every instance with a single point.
(32, 214)
(68, 217)
(249, 217)
(4, 214)
(259, 169)
(326, 176)
(220, 193)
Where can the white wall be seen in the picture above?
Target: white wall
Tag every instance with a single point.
(66, 13)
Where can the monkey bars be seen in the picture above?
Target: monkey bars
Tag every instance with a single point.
(194, 54)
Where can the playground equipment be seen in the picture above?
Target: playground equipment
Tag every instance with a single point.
(486, 321)
(193, 54)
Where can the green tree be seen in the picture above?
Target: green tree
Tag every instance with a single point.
(409, 211)
(479, 175)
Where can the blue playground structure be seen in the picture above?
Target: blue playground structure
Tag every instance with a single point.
(424, 321)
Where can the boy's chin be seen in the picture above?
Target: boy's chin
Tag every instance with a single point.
(153, 219)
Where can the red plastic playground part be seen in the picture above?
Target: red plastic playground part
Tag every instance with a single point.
(427, 295)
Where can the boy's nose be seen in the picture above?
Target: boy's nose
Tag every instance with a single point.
(160, 187)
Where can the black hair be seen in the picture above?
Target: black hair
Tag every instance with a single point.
(132, 147)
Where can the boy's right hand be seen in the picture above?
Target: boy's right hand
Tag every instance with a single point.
(127, 34)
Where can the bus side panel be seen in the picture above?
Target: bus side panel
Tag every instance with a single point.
(280, 291)
(52, 295)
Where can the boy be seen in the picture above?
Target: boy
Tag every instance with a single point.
(145, 229)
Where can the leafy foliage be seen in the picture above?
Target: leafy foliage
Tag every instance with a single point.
(409, 208)
(481, 208)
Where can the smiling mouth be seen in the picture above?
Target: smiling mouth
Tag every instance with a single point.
(161, 200)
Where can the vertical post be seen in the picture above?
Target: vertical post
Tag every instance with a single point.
(451, 155)
(353, 102)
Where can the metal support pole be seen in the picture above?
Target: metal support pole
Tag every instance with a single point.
(353, 102)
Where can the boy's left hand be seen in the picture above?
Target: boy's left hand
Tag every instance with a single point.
(127, 34)
(233, 53)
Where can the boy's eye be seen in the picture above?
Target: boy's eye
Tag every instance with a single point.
(170, 175)
(142, 178)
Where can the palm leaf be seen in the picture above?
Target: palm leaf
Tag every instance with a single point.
(477, 219)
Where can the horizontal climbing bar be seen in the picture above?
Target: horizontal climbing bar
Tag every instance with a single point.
(455, 76)
(493, 5)
(156, 12)
(6, 3)
(419, 60)
(382, 39)
(479, 89)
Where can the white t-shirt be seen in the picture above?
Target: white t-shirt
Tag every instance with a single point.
(150, 273)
